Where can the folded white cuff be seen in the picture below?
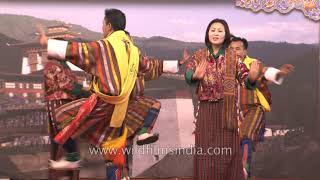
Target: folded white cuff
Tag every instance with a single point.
(271, 75)
(57, 49)
(170, 66)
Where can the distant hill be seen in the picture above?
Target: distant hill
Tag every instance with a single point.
(10, 57)
(165, 48)
(274, 54)
(22, 27)
(293, 102)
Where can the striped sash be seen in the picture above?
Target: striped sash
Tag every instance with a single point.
(229, 99)
(128, 75)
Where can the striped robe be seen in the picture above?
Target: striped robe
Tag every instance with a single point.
(59, 85)
(252, 113)
(97, 58)
(253, 121)
(139, 105)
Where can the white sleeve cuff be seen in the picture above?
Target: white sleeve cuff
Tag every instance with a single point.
(271, 75)
(57, 49)
(170, 66)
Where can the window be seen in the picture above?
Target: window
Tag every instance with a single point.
(11, 94)
(38, 95)
(37, 86)
(10, 85)
(25, 94)
(21, 85)
(27, 86)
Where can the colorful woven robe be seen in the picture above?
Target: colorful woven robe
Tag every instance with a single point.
(101, 60)
(139, 105)
(61, 87)
(95, 128)
(253, 104)
(220, 81)
(211, 126)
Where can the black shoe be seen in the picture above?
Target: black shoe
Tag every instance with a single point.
(147, 138)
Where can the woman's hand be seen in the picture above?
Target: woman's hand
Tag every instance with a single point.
(200, 71)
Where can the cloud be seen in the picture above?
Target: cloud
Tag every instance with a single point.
(181, 21)
(189, 36)
(293, 32)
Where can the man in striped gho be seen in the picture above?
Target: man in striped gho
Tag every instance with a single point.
(253, 104)
(114, 64)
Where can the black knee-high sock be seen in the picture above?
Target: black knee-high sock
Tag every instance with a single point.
(70, 147)
(152, 114)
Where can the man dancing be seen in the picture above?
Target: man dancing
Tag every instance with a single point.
(255, 103)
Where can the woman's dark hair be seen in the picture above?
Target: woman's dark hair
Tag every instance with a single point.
(116, 18)
(227, 31)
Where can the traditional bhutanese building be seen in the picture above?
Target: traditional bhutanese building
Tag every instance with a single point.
(27, 87)
(60, 31)
(29, 84)
(30, 87)
(34, 55)
(23, 116)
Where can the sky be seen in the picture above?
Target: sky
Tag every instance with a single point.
(178, 21)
